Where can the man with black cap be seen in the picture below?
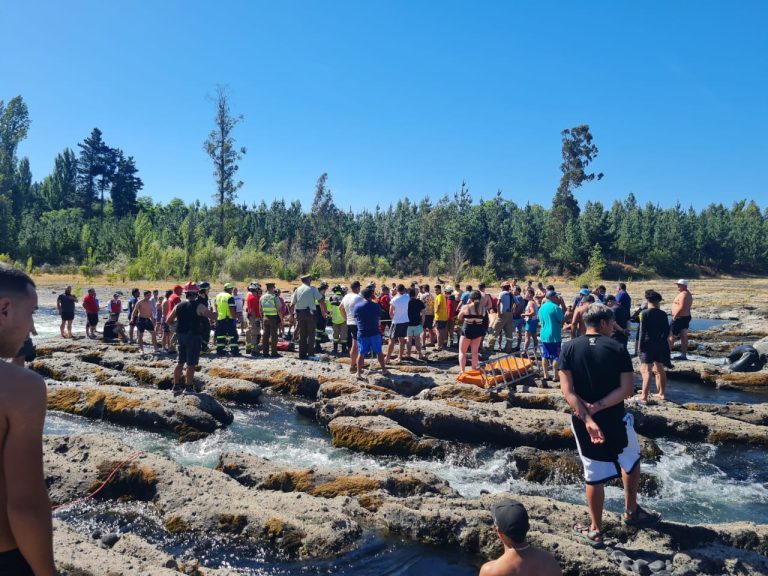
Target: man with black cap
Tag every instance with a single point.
(520, 558)
(303, 305)
(187, 316)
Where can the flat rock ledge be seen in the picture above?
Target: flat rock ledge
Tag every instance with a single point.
(320, 512)
(189, 417)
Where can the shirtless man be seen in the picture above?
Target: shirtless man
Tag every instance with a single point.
(519, 558)
(578, 327)
(681, 318)
(142, 316)
(26, 541)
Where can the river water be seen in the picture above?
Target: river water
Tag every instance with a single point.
(700, 483)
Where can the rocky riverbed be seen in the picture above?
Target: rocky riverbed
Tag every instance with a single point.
(301, 513)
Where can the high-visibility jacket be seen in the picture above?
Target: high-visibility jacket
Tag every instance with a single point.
(222, 306)
(336, 316)
(268, 304)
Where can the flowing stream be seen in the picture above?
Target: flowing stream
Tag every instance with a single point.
(700, 482)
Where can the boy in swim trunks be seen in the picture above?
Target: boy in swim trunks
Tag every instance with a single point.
(681, 318)
(143, 313)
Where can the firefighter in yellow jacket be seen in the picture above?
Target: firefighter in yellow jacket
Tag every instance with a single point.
(226, 328)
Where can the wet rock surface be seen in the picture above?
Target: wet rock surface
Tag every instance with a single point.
(312, 513)
(322, 512)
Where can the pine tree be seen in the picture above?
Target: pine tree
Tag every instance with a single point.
(220, 146)
(96, 169)
(125, 186)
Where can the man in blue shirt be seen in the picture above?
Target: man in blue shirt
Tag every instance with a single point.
(367, 316)
(551, 320)
(623, 297)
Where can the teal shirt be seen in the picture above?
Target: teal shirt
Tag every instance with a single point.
(551, 320)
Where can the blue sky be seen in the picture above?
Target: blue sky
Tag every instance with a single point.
(403, 99)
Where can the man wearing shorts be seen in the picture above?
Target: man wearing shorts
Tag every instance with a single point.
(143, 313)
(506, 325)
(652, 345)
(416, 318)
(441, 317)
(65, 304)
(596, 377)
(551, 318)
(429, 315)
(349, 303)
(398, 309)
(367, 315)
(187, 316)
(518, 308)
(681, 318)
(132, 301)
(91, 307)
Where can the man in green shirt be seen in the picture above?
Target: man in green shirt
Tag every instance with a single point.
(303, 305)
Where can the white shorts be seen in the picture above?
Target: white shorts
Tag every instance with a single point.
(599, 472)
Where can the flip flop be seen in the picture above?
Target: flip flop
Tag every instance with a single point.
(592, 537)
(641, 517)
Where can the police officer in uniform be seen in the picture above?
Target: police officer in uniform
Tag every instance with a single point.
(303, 305)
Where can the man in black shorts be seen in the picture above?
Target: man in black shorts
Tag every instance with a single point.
(596, 377)
(65, 304)
(188, 334)
(652, 345)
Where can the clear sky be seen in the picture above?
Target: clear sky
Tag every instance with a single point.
(401, 98)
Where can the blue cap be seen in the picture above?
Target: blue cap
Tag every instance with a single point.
(584, 292)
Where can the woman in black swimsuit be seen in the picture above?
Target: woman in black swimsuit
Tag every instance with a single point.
(472, 330)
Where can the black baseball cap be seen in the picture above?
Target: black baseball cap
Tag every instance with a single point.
(511, 518)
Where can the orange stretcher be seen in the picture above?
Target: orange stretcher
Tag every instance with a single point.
(507, 369)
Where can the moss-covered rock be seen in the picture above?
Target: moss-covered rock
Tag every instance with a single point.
(189, 417)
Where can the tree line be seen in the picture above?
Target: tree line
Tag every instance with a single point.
(87, 216)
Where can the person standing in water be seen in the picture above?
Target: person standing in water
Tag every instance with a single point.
(652, 346)
(65, 304)
(681, 318)
(26, 534)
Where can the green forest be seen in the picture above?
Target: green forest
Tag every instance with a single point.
(87, 216)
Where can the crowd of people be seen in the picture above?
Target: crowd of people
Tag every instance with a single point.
(392, 320)
(594, 369)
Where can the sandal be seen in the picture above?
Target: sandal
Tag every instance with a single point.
(640, 517)
(592, 537)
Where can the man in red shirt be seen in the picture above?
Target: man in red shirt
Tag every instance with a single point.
(253, 313)
(384, 301)
(174, 299)
(91, 307)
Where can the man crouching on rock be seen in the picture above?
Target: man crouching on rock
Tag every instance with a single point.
(519, 558)
(26, 542)
(192, 318)
(596, 376)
